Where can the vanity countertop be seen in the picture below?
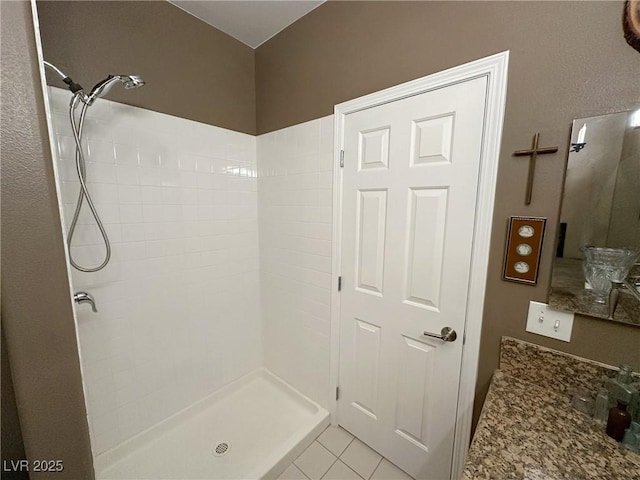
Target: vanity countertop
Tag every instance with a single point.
(527, 431)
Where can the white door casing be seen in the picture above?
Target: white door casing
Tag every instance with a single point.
(411, 237)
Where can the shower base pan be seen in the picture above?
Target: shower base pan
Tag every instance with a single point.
(251, 429)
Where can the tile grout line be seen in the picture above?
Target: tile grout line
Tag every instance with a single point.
(330, 466)
(319, 443)
(374, 470)
(334, 456)
(377, 467)
(337, 457)
(345, 448)
(346, 465)
(300, 470)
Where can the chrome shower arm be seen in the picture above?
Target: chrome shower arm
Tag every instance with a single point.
(51, 66)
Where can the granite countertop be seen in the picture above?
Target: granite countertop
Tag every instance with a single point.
(527, 431)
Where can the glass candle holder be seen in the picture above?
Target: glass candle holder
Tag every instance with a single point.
(616, 261)
(582, 401)
(600, 282)
(601, 412)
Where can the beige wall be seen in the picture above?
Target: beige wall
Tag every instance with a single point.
(568, 60)
(12, 446)
(560, 69)
(192, 70)
(37, 316)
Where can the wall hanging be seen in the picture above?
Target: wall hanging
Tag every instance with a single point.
(524, 245)
(533, 153)
(631, 23)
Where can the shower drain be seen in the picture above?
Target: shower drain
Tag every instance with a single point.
(221, 449)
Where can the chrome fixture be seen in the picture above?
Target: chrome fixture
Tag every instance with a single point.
(84, 297)
(447, 334)
(103, 87)
(79, 96)
(576, 147)
(580, 144)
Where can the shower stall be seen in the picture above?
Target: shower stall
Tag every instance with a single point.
(161, 217)
(168, 248)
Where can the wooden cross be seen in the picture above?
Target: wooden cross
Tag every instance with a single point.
(533, 152)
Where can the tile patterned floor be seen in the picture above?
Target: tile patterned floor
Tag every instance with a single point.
(337, 455)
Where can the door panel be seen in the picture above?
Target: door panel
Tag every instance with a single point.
(412, 418)
(374, 149)
(372, 222)
(367, 352)
(432, 139)
(426, 223)
(409, 197)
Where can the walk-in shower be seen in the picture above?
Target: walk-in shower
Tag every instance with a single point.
(80, 97)
(185, 374)
(175, 382)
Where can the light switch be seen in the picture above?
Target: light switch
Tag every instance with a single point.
(542, 320)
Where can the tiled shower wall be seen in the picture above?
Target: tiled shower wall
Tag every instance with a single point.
(294, 203)
(178, 305)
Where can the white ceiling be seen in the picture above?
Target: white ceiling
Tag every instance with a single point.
(251, 22)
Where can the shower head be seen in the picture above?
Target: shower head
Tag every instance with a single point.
(132, 81)
(103, 87)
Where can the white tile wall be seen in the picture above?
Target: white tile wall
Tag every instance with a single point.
(179, 304)
(179, 307)
(294, 203)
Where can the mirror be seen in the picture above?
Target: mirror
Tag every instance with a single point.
(600, 208)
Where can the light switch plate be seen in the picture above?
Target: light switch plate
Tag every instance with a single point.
(542, 320)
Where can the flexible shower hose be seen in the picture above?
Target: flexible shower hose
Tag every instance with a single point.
(84, 191)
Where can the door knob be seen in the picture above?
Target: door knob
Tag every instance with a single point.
(447, 334)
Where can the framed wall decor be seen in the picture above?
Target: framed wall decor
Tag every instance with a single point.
(631, 23)
(524, 246)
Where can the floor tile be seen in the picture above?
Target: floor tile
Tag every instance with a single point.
(292, 473)
(315, 461)
(388, 471)
(339, 471)
(335, 439)
(361, 458)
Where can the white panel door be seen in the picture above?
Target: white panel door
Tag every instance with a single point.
(409, 204)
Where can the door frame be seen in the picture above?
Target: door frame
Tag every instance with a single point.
(494, 68)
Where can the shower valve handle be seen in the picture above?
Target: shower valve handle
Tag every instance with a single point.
(84, 297)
